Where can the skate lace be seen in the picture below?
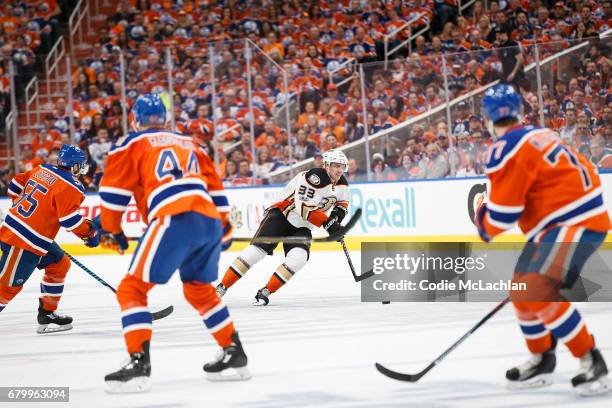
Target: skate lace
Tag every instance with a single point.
(128, 363)
(531, 363)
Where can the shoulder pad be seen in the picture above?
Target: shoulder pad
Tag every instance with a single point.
(317, 177)
(511, 142)
(124, 141)
(343, 181)
(66, 176)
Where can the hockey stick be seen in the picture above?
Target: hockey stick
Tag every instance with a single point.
(357, 278)
(416, 377)
(156, 315)
(340, 233)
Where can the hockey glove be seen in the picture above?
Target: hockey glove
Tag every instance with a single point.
(116, 242)
(332, 226)
(226, 240)
(92, 239)
(339, 212)
(479, 221)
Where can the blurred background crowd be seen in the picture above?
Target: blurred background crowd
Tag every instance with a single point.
(307, 91)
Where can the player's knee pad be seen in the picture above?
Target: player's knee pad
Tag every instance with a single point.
(296, 259)
(200, 295)
(132, 292)
(251, 255)
(56, 272)
(7, 293)
(535, 287)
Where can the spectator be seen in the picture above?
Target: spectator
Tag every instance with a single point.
(303, 149)
(264, 163)
(231, 170)
(407, 168)
(99, 148)
(600, 156)
(354, 173)
(510, 56)
(29, 160)
(5, 179)
(380, 169)
(434, 164)
(317, 160)
(568, 131)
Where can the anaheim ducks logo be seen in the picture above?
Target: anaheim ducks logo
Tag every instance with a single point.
(476, 195)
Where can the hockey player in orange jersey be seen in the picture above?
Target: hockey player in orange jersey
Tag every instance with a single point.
(318, 197)
(555, 195)
(44, 199)
(181, 199)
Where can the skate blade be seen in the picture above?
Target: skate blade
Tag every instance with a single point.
(137, 384)
(539, 381)
(51, 328)
(230, 374)
(594, 388)
(259, 302)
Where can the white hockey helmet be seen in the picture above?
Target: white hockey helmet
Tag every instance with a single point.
(335, 156)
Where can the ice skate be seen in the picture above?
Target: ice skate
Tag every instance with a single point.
(262, 298)
(592, 376)
(230, 364)
(534, 373)
(133, 376)
(51, 322)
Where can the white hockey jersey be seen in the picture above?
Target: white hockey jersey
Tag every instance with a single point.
(310, 196)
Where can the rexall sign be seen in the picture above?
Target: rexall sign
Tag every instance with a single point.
(387, 207)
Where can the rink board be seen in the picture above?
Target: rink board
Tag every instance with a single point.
(420, 210)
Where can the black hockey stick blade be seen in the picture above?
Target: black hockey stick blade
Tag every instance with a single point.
(399, 376)
(162, 313)
(364, 276)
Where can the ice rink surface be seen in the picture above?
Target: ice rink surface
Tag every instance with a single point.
(314, 346)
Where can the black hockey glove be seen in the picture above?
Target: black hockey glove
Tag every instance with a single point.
(332, 225)
(338, 212)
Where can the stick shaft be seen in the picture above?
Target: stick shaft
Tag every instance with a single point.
(90, 272)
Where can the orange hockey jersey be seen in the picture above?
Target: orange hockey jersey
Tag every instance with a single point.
(539, 181)
(166, 173)
(44, 199)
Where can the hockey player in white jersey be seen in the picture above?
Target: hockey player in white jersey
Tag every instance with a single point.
(318, 197)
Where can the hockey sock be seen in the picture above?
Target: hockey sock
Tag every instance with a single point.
(566, 324)
(294, 261)
(216, 317)
(7, 293)
(559, 317)
(52, 284)
(241, 265)
(135, 316)
(537, 336)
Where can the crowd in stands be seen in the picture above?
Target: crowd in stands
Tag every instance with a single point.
(318, 45)
(28, 30)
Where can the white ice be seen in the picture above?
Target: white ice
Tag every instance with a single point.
(315, 345)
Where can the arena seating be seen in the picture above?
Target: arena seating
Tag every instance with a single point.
(321, 45)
